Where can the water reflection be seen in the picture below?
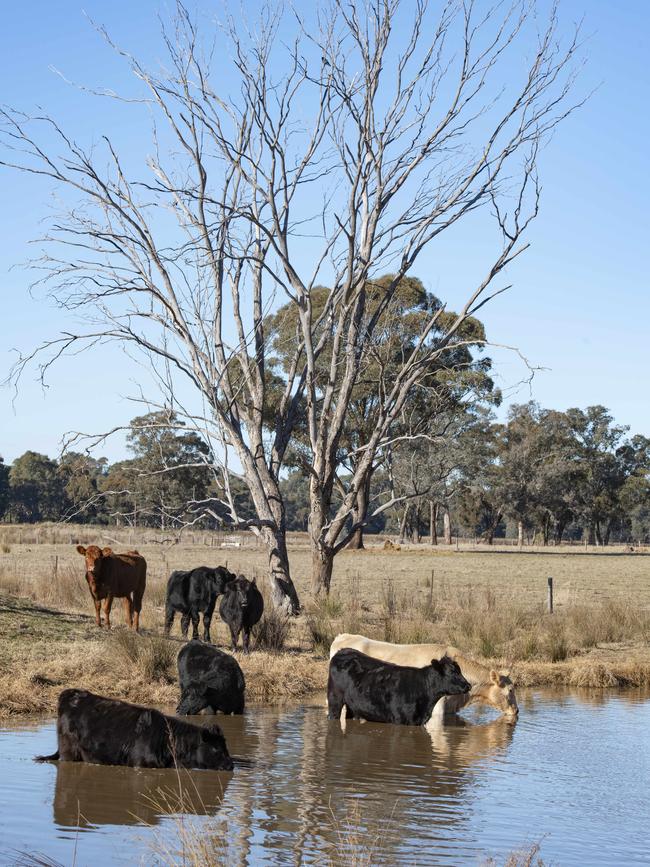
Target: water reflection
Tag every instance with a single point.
(93, 795)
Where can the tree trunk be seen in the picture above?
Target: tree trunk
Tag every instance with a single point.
(403, 523)
(591, 539)
(283, 593)
(416, 525)
(599, 534)
(520, 534)
(322, 563)
(433, 522)
(446, 524)
(359, 515)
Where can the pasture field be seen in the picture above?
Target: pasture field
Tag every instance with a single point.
(488, 603)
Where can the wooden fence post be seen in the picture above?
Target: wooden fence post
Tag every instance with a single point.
(550, 595)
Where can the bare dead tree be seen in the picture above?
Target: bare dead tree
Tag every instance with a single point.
(339, 153)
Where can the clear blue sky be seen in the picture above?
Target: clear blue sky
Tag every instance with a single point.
(580, 304)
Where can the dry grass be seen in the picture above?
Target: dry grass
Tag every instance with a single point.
(528, 857)
(488, 604)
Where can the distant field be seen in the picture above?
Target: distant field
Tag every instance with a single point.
(580, 577)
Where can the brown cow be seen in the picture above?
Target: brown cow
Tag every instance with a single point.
(111, 576)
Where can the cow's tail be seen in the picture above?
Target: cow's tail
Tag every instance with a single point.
(53, 758)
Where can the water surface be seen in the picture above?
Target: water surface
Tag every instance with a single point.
(572, 773)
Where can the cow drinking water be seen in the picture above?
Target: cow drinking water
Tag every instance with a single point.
(192, 592)
(209, 678)
(383, 692)
(115, 576)
(105, 731)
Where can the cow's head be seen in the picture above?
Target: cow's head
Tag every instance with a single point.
(239, 588)
(193, 701)
(501, 694)
(94, 557)
(221, 578)
(212, 753)
(449, 670)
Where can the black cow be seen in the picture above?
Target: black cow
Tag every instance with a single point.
(241, 608)
(209, 678)
(105, 731)
(379, 691)
(192, 592)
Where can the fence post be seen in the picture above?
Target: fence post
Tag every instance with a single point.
(550, 595)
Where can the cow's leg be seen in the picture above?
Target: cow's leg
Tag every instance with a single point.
(207, 620)
(98, 610)
(137, 608)
(234, 634)
(128, 611)
(185, 623)
(194, 615)
(246, 639)
(108, 602)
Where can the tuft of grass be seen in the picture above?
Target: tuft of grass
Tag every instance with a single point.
(556, 641)
(6, 549)
(528, 857)
(272, 632)
(321, 631)
(152, 657)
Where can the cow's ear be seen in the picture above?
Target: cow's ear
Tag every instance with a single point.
(106, 552)
(437, 664)
(81, 550)
(494, 676)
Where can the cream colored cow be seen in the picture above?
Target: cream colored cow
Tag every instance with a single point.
(489, 687)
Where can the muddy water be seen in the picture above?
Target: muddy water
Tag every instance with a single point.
(573, 773)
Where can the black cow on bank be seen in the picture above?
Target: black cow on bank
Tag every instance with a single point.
(241, 608)
(105, 731)
(193, 592)
(379, 691)
(209, 678)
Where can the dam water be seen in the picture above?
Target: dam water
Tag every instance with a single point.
(571, 775)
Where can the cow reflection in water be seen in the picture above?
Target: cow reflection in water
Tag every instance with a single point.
(90, 795)
(437, 762)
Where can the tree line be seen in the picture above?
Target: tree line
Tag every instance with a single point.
(542, 477)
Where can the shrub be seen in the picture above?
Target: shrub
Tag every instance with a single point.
(152, 657)
(320, 630)
(272, 631)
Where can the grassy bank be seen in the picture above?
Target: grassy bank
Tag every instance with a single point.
(489, 604)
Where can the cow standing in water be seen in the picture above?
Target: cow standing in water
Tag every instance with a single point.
(365, 688)
(489, 687)
(115, 576)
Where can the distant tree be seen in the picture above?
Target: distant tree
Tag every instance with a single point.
(82, 476)
(4, 487)
(295, 491)
(169, 476)
(36, 489)
(602, 455)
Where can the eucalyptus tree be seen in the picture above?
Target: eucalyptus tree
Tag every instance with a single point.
(346, 141)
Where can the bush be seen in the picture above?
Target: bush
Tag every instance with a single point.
(320, 630)
(272, 631)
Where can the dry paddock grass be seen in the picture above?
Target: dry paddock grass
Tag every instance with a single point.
(489, 604)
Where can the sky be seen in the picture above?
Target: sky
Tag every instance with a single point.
(579, 306)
